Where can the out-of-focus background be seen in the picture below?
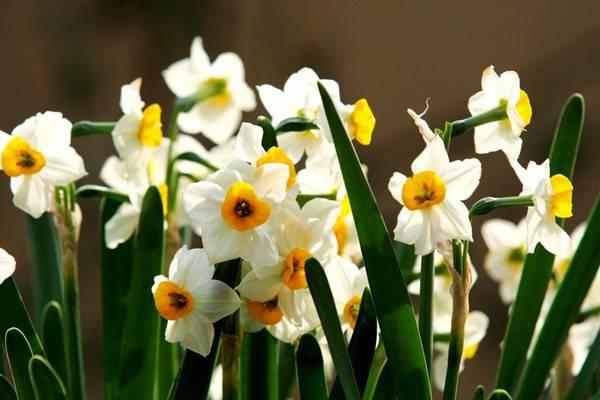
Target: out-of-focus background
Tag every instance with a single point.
(73, 56)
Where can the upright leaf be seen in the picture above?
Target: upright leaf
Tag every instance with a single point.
(137, 371)
(47, 384)
(385, 385)
(259, 370)
(499, 394)
(53, 336)
(586, 373)
(537, 270)
(114, 263)
(7, 392)
(392, 302)
(287, 369)
(564, 309)
(45, 263)
(19, 352)
(321, 294)
(309, 362)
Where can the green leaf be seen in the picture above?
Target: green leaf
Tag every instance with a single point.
(46, 382)
(385, 385)
(19, 352)
(7, 392)
(321, 294)
(479, 393)
(287, 369)
(114, 263)
(584, 378)
(537, 270)
(405, 254)
(379, 361)
(137, 371)
(87, 191)
(259, 368)
(392, 302)
(302, 199)
(295, 124)
(269, 138)
(309, 363)
(564, 309)
(189, 156)
(53, 336)
(195, 373)
(426, 307)
(87, 128)
(499, 394)
(362, 345)
(45, 263)
(14, 314)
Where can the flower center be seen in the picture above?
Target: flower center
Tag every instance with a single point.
(423, 190)
(340, 228)
(294, 276)
(267, 313)
(242, 210)
(277, 156)
(150, 133)
(524, 107)
(470, 351)
(516, 257)
(362, 122)
(222, 98)
(562, 196)
(351, 310)
(172, 301)
(19, 158)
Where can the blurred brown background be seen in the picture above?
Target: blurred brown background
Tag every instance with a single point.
(73, 56)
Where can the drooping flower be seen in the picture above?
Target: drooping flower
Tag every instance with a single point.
(552, 198)
(504, 134)
(233, 207)
(139, 130)
(191, 300)
(432, 198)
(506, 254)
(7, 265)
(424, 129)
(37, 156)
(219, 115)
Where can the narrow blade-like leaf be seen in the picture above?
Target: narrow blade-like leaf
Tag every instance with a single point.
(87, 191)
(19, 352)
(53, 336)
(47, 384)
(6, 390)
(309, 363)
(259, 369)
(586, 373)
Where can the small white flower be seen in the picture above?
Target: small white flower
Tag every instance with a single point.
(218, 116)
(505, 134)
(37, 156)
(552, 197)
(432, 198)
(506, 254)
(139, 130)
(233, 207)
(7, 265)
(191, 300)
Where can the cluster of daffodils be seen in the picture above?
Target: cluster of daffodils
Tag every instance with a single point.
(271, 196)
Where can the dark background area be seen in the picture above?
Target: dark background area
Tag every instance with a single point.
(73, 56)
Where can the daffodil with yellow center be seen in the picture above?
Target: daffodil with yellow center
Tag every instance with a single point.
(242, 210)
(362, 122)
(503, 134)
(294, 276)
(351, 310)
(19, 158)
(276, 155)
(267, 312)
(433, 198)
(191, 300)
(150, 133)
(562, 196)
(340, 229)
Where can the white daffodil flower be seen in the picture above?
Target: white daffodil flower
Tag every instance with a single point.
(552, 197)
(249, 148)
(191, 300)
(357, 118)
(277, 324)
(139, 130)
(300, 235)
(347, 284)
(300, 98)
(7, 265)
(233, 207)
(506, 254)
(432, 198)
(476, 327)
(505, 134)
(37, 156)
(219, 115)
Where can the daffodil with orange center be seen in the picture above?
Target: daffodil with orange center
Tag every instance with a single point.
(433, 198)
(191, 300)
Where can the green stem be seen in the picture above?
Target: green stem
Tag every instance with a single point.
(496, 114)
(68, 237)
(259, 366)
(86, 128)
(426, 307)
(231, 346)
(489, 204)
(269, 138)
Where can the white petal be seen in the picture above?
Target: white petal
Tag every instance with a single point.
(200, 333)
(131, 101)
(450, 220)
(259, 289)
(490, 80)
(175, 331)
(52, 132)
(121, 226)
(31, 194)
(183, 78)
(260, 247)
(433, 158)
(63, 167)
(248, 144)
(294, 144)
(220, 241)
(217, 123)
(215, 300)
(198, 55)
(7, 265)
(229, 66)
(440, 366)
(395, 186)
(125, 135)
(243, 96)
(412, 227)
(553, 238)
(190, 268)
(275, 102)
(323, 210)
(114, 174)
(270, 181)
(510, 87)
(462, 178)
(498, 233)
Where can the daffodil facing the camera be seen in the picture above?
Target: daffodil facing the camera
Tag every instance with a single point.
(191, 300)
(433, 198)
(37, 156)
(7, 265)
(233, 206)
(139, 130)
(504, 128)
(219, 87)
(552, 198)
